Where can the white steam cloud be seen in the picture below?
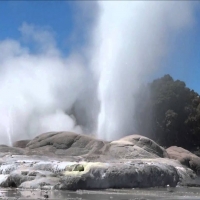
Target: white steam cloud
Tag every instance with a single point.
(131, 38)
(37, 88)
(38, 85)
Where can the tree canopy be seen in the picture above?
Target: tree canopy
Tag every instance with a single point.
(169, 112)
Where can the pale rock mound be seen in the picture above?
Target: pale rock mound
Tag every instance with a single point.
(69, 161)
(71, 144)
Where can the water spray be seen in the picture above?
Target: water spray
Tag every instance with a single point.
(9, 127)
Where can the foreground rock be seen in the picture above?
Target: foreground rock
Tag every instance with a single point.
(70, 161)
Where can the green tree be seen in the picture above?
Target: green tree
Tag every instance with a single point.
(171, 112)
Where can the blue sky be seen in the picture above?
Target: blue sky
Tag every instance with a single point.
(60, 17)
(184, 61)
(56, 16)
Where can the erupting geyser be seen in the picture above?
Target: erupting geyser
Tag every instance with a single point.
(40, 87)
(131, 38)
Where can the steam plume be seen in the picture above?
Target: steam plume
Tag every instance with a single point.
(38, 85)
(37, 88)
(131, 38)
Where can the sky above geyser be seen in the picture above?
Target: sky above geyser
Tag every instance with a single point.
(55, 53)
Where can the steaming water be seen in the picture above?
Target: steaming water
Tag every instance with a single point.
(9, 126)
(132, 37)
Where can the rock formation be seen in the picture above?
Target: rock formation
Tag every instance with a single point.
(185, 157)
(65, 160)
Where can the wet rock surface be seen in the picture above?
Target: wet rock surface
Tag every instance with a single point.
(167, 193)
(68, 161)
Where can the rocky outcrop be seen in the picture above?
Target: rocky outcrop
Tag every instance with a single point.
(39, 174)
(65, 144)
(136, 146)
(68, 161)
(120, 175)
(21, 143)
(185, 157)
(71, 144)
